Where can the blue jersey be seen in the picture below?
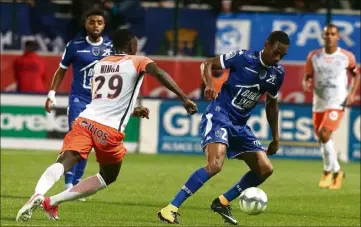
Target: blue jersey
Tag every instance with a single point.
(248, 80)
(224, 120)
(83, 55)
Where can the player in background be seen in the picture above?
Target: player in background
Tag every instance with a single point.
(224, 124)
(116, 83)
(83, 53)
(326, 71)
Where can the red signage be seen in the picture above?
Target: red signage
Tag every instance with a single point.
(185, 71)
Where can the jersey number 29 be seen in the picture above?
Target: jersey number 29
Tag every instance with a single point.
(112, 88)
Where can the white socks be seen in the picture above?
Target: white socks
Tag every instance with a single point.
(84, 188)
(51, 175)
(329, 157)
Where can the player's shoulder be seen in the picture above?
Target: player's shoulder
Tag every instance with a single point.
(315, 52)
(107, 42)
(349, 54)
(279, 69)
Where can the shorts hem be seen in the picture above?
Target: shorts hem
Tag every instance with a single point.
(232, 157)
(214, 142)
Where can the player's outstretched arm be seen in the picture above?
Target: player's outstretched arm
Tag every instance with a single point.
(272, 117)
(206, 73)
(57, 79)
(163, 78)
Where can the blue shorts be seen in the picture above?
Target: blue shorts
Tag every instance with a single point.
(238, 138)
(76, 106)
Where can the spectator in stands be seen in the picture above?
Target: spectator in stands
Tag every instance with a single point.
(29, 70)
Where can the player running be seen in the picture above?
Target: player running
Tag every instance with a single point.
(83, 54)
(224, 124)
(116, 83)
(326, 70)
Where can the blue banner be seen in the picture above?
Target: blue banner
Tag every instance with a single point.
(250, 30)
(179, 132)
(354, 135)
(154, 29)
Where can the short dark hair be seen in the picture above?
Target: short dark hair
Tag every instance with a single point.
(279, 36)
(122, 38)
(94, 12)
(330, 25)
(31, 45)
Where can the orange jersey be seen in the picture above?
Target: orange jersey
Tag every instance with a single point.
(329, 73)
(115, 88)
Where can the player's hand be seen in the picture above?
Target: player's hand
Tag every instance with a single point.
(273, 147)
(49, 104)
(210, 92)
(307, 84)
(190, 106)
(350, 100)
(141, 111)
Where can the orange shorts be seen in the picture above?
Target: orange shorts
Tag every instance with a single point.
(329, 119)
(87, 134)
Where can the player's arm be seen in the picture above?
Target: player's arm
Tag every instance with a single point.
(167, 81)
(206, 74)
(59, 74)
(355, 81)
(272, 118)
(308, 76)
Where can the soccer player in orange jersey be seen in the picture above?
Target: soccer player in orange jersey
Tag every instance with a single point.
(115, 87)
(326, 73)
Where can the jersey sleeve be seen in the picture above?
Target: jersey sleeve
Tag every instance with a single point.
(352, 64)
(273, 90)
(308, 66)
(233, 59)
(140, 63)
(68, 56)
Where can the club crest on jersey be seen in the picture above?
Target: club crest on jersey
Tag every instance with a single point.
(262, 74)
(96, 51)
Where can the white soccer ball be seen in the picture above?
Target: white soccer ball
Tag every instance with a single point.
(253, 201)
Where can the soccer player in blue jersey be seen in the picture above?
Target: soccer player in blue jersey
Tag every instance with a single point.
(224, 128)
(82, 53)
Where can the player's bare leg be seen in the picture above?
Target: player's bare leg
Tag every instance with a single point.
(52, 174)
(332, 175)
(215, 154)
(89, 186)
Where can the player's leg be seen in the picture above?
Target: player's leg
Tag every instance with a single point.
(260, 169)
(81, 164)
(215, 153)
(72, 115)
(326, 176)
(109, 152)
(330, 123)
(52, 174)
(89, 186)
(76, 146)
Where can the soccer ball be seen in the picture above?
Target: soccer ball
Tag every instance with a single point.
(253, 201)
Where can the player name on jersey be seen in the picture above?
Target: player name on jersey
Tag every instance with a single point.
(109, 69)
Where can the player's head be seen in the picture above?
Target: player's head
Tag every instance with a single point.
(330, 35)
(275, 47)
(31, 46)
(124, 41)
(94, 23)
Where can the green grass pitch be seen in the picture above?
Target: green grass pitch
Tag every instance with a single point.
(148, 182)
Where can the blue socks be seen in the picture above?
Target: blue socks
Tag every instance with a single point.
(195, 182)
(250, 179)
(74, 175)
